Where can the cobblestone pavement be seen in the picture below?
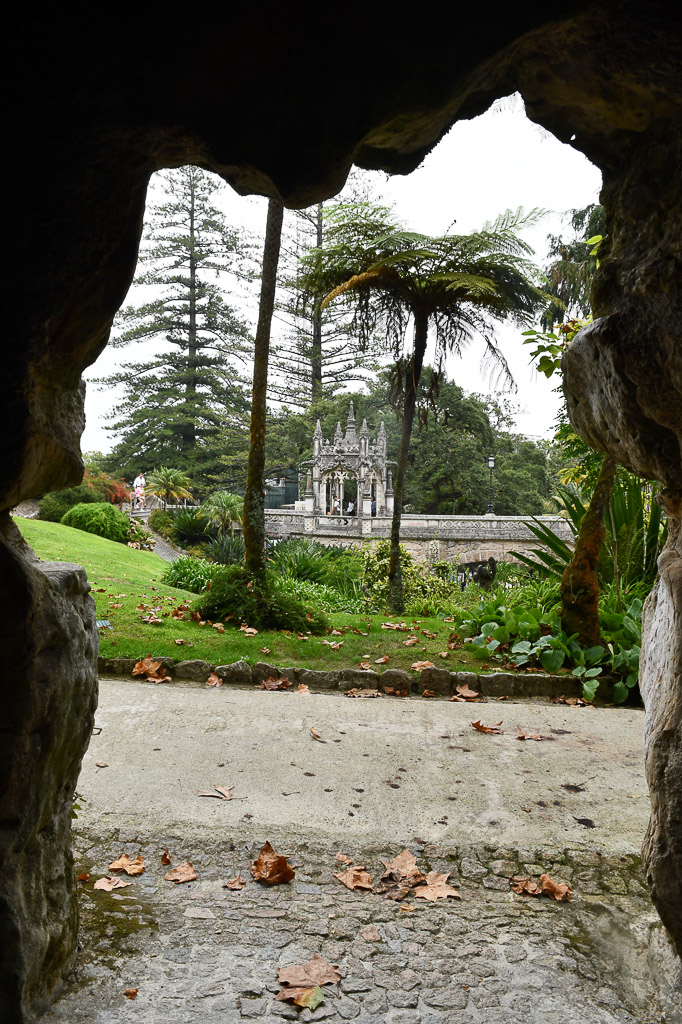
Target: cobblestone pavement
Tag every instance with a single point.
(197, 952)
(201, 954)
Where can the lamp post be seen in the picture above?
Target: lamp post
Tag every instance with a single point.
(491, 466)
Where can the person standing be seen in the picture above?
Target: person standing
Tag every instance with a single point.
(138, 489)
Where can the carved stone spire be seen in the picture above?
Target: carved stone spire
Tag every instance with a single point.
(381, 437)
(318, 430)
(351, 437)
(338, 435)
(364, 429)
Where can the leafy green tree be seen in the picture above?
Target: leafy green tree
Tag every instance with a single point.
(455, 285)
(174, 399)
(224, 510)
(321, 353)
(573, 264)
(169, 484)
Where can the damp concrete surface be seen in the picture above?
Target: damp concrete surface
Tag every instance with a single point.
(318, 774)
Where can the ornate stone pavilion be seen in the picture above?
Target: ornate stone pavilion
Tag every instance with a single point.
(349, 469)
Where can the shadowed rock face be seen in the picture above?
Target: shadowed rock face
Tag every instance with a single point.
(282, 104)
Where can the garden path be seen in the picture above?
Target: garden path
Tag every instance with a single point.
(383, 775)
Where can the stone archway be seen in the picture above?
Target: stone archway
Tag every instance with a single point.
(95, 108)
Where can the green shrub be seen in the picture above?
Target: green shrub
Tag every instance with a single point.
(425, 593)
(225, 550)
(300, 557)
(189, 573)
(231, 594)
(319, 595)
(54, 505)
(139, 536)
(191, 526)
(161, 522)
(100, 518)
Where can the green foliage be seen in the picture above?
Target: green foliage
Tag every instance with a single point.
(99, 518)
(191, 526)
(169, 484)
(225, 550)
(189, 573)
(54, 505)
(224, 511)
(300, 558)
(574, 262)
(426, 593)
(231, 594)
(139, 536)
(162, 523)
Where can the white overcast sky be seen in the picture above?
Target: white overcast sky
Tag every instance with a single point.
(482, 167)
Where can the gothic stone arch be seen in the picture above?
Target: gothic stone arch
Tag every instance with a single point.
(95, 105)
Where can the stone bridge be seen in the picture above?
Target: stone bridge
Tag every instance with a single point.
(427, 537)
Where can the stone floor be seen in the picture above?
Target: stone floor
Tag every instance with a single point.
(197, 952)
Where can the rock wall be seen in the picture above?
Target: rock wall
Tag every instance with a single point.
(48, 652)
(97, 105)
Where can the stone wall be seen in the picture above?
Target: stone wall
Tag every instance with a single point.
(427, 538)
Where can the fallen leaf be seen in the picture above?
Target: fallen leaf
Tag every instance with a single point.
(358, 692)
(573, 787)
(218, 626)
(184, 873)
(429, 693)
(555, 890)
(179, 642)
(395, 625)
(108, 883)
(214, 680)
(315, 735)
(467, 693)
(392, 691)
(419, 665)
(334, 646)
(131, 867)
(316, 972)
(130, 993)
(248, 630)
(165, 857)
(221, 792)
(336, 632)
(101, 764)
(436, 888)
(274, 684)
(410, 642)
(585, 822)
(302, 688)
(151, 669)
(401, 875)
(528, 735)
(364, 664)
(271, 868)
(343, 859)
(85, 877)
(381, 661)
(442, 654)
(265, 650)
(494, 729)
(310, 997)
(355, 878)
(522, 884)
(235, 883)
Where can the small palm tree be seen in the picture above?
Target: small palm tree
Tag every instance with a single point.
(456, 286)
(224, 510)
(169, 484)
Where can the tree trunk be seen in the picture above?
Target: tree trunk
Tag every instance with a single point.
(414, 371)
(316, 347)
(579, 583)
(189, 434)
(253, 522)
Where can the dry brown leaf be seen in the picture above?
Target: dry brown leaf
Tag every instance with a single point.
(364, 664)
(522, 884)
(101, 764)
(436, 888)
(124, 863)
(356, 691)
(214, 680)
(130, 993)
(355, 878)
(85, 877)
(310, 997)
(528, 735)
(429, 693)
(165, 857)
(315, 735)
(265, 650)
(271, 868)
(555, 890)
(220, 792)
(418, 666)
(401, 875)
(184, 873)
(410, 642)
(336, 632)
(248, 630)
(467, 693)
(442, 654)
(235, 883)
(107, 883)
(381, 661)
(148, 667)
(302, 688)
(494, 729)
(343, 859)
(395, 625)
(392, 691)
(282, 683)
(316, 972)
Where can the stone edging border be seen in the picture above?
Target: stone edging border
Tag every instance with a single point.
(439, 680)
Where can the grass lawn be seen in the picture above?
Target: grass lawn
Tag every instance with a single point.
(126, 587)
